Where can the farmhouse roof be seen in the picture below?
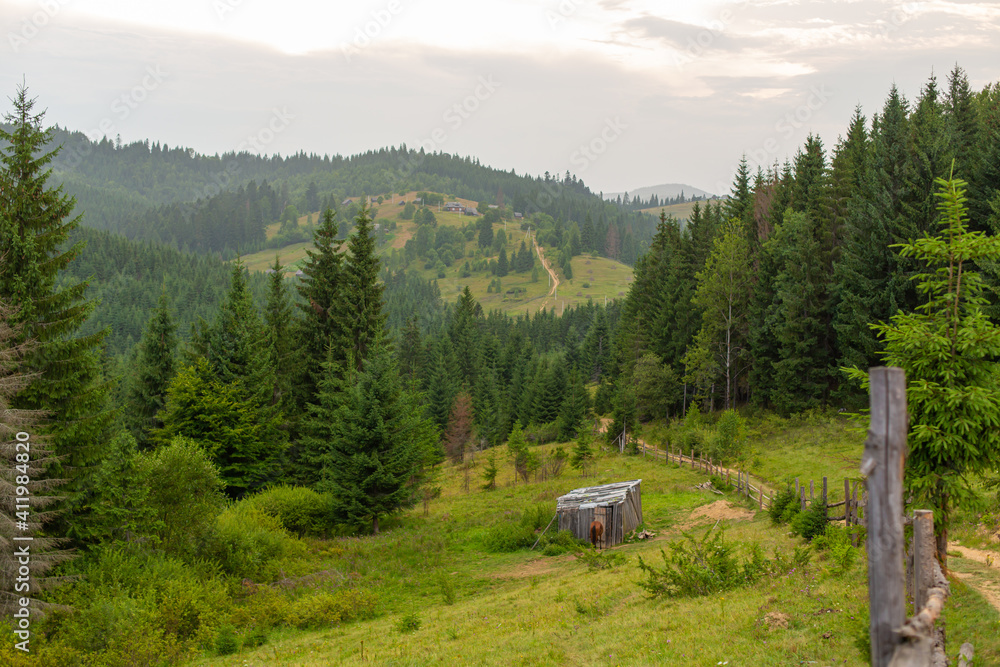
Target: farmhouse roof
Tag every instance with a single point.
(593, 496)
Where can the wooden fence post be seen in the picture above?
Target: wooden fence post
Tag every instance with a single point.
(882, 464)
(692, 458)
(924, 549)
(847, 503)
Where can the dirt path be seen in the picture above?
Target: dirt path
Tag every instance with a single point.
(552, 274)
(987, 585)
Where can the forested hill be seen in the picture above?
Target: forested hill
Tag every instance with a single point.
(221, 203)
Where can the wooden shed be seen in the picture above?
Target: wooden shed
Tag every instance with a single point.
(618, 506)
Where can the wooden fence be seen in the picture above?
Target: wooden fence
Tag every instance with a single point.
(855, 497)
(875, 501)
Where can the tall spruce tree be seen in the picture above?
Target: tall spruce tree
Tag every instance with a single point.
(870, 286)
(361, 305)
(278, 324)
(23, 454)
(155, 366)
(948, 349)
(320, 291)
(35, 223)
(370, 438)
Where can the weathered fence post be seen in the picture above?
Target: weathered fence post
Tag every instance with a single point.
(692, 458)
(924, 549)
(847, 503)
(882, 464)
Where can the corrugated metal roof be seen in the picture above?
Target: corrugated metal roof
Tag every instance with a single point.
(592, 496)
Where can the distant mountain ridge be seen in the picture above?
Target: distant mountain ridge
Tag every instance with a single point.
(663, 191)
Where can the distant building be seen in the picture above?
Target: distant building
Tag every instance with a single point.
(470, 210)
(299, 274)
(402, 202)
(377, 226)
(518, 216)
(347, 201)
(493, 206)
(454, 207)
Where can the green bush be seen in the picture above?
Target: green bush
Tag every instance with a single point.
(408, 623)
(247, 542)
(185, 492)
(560, 542)
(702, 567)
(225, 641)
(131, 601)
(299, 509)
(506, 536)
(781, 502)
(811, 522)
(255, 637)
(325, 609)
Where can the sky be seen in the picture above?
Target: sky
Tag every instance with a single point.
(621, 93)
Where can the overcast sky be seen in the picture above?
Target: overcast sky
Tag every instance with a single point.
(623, 93)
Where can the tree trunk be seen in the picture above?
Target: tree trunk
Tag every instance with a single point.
(375, 525)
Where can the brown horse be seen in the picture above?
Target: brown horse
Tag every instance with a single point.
(596, 532)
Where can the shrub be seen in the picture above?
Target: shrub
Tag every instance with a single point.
(133, 601)
(225, 641)
(254, 638)
(325, 609)
(702, 567)
(505, 537)
(408, 623)
(782, 501)
(185, 492)
(247, 542)
(299, 509)
(811, 522)
(560, 542)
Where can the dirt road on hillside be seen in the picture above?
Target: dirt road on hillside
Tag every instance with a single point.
(552, 274)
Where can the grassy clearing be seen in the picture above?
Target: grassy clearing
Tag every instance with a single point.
(444, 599)
(604, 278)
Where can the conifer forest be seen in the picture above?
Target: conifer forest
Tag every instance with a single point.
(317, 409)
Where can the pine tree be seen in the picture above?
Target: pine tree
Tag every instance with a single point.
(35, 223)
(23, 452)
(320, 292)
(411, 352)
(458, 435)
(948, 349)
(503, 267)
(575, 408)
(155, 367)
(442, 385)
(360, 308)
(224, 402)
(278, 323)
(583, 452)
(870, 286)
(370, 437)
